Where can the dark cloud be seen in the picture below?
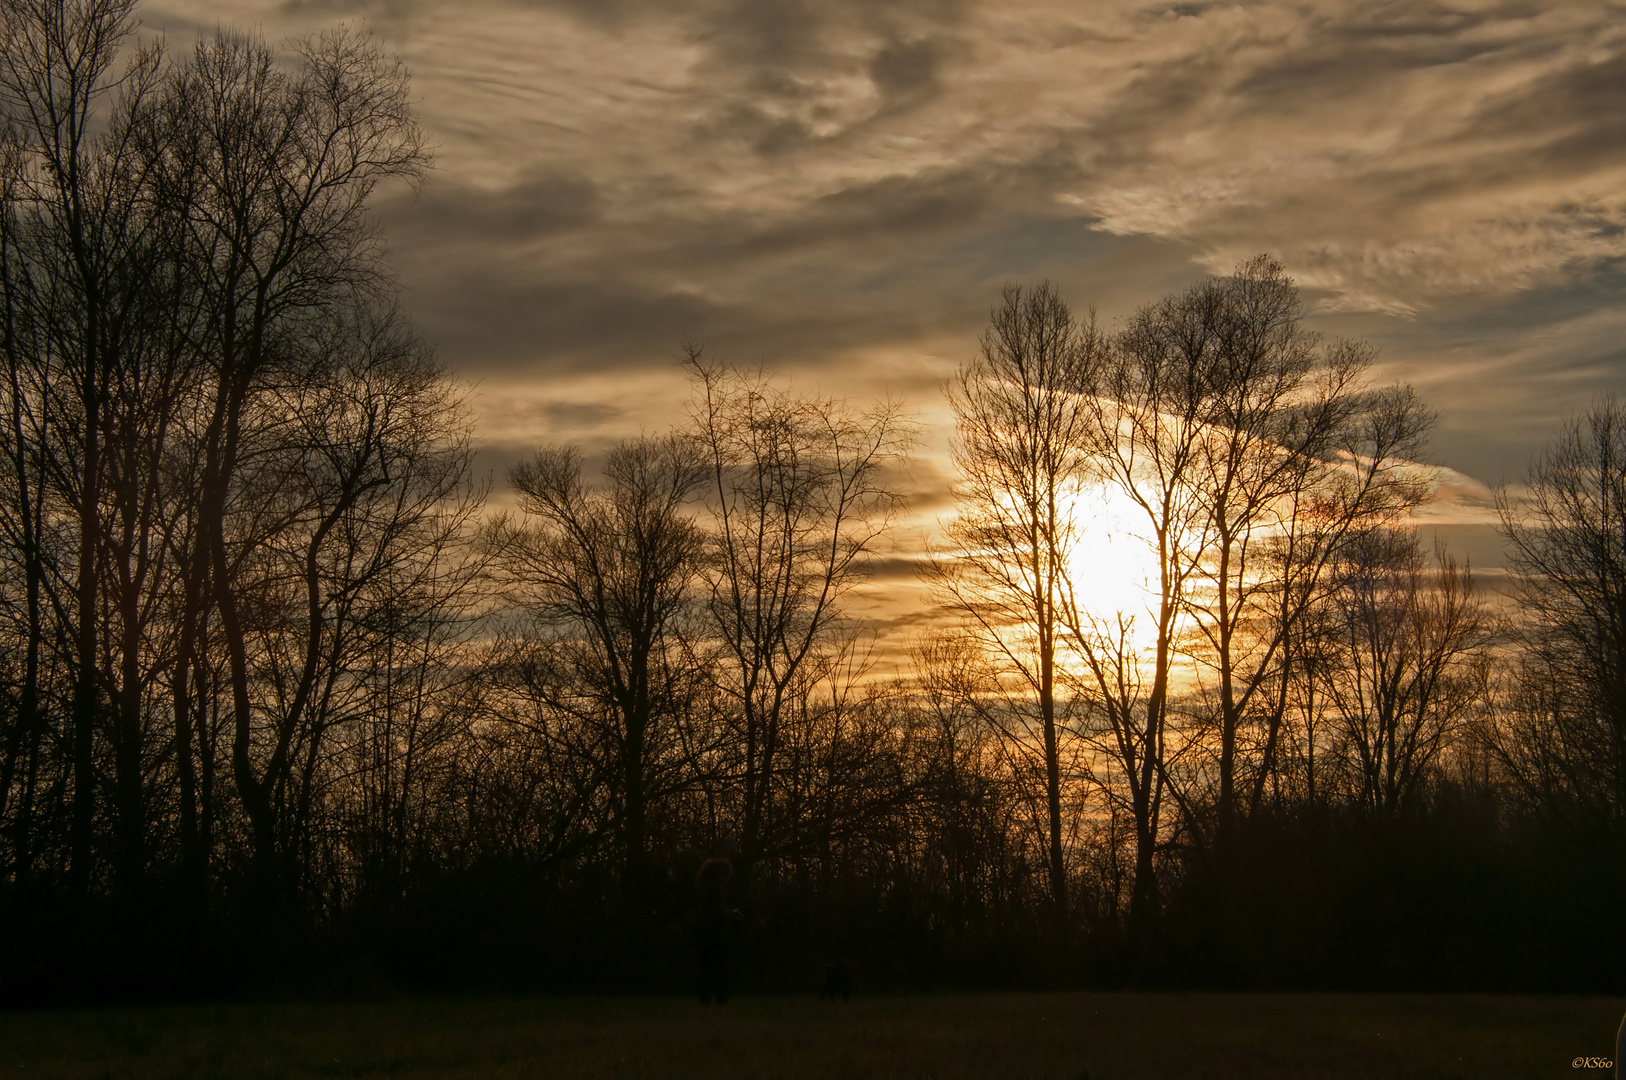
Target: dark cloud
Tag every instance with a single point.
(771, 33)
(1504, 373)
(907, 69)
(866, 221)
(1538, 311)
(789, 65)
(535, 207)
(875, 211)
(580, 414)
(828, 287)
(611, 14)
(1424, 23)
(748, 123)
(1342, 63)
(896, 569)
(388, 15)
(1274, 71)
(1479, 546)
(1581, 108)
(490, 322)
(795, 32)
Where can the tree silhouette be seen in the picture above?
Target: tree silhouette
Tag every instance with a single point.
(1020, 447)
(616, 566)
(1567, 537)
(798, 498)
(1410, 657)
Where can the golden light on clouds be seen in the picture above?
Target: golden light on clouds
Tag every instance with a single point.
(821, 187)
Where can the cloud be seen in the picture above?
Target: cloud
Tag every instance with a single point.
(1394, 155)
(1458, 500)
(530, 209)
(907, 69)
(1392, 158)
(493, 321)
(837, 188)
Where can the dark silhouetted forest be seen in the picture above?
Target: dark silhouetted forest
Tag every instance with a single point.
(288, 706)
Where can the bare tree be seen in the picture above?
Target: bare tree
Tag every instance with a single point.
(1252, 453)
(78, 297)
(613, 569)
(798, 498)
(1406, 666)
(274, 168)
(367, 482)
(1146, 427)
(23, 518)
(1567, 537)
(1021, 448)
(1301, 458)
(970, 824)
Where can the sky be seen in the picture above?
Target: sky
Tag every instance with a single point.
(838, 189)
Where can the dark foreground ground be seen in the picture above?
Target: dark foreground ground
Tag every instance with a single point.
(1069, 1036)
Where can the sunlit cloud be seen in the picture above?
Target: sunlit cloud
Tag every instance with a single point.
(837, 190)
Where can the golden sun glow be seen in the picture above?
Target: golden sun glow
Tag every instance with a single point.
(1112, 563)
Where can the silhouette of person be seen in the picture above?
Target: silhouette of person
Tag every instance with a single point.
(711, 922)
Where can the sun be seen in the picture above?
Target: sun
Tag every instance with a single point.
(1112, 562)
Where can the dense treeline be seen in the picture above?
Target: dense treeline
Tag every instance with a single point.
(283, 704)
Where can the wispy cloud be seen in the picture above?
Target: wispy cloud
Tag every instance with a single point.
(837, 187)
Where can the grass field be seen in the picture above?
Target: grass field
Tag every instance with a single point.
(1067, 1036)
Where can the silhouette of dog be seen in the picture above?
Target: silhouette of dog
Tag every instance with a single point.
(837, 980)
